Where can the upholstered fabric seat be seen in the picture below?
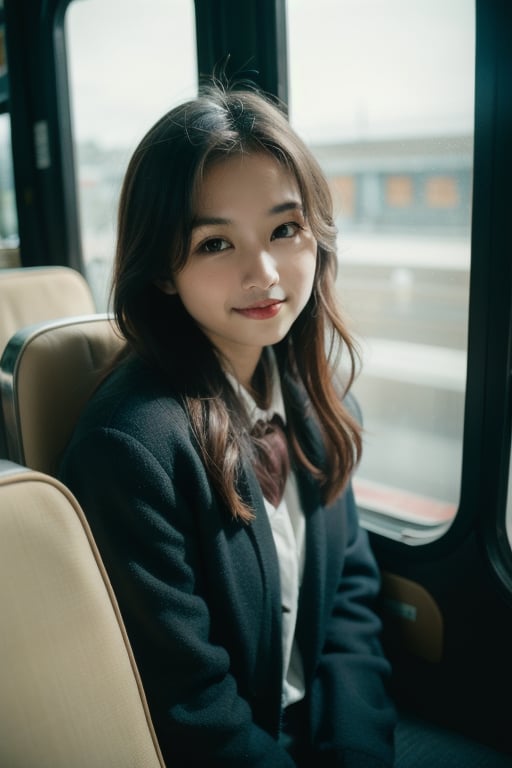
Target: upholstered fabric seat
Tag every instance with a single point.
(36, 294)
(33, 294)
(71, 693)
(47, 373)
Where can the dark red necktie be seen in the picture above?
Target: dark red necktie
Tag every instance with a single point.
(272, 458)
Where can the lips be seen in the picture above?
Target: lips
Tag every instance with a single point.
(261, 310)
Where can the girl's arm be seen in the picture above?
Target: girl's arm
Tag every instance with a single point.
(354, 716)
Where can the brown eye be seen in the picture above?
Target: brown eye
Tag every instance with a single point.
(285, 230)
(214, 245)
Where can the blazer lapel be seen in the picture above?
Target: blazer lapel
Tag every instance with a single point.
(310, 617)
(260, 534)
(312, 592)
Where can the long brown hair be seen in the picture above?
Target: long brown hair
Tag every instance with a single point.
(156, 212)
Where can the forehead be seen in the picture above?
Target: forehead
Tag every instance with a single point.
(252, 178)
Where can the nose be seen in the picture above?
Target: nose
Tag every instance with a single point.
(260, 270)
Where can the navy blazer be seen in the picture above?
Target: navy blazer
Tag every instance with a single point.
(199, 592)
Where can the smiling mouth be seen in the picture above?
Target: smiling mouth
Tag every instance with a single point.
(261, 310)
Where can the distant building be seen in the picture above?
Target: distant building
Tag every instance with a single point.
(402, 185)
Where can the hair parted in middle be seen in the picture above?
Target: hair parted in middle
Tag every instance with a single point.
(155, 219)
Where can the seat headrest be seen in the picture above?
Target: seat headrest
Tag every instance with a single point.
(47, 373)
(31, 295)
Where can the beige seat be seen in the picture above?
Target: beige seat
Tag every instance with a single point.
(71, 695)
(32, 295)
(47, 373)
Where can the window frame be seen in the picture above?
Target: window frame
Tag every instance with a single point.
(254, 32)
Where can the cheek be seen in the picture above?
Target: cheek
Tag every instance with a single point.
(305, 270)
(202, 290)
(193, 281)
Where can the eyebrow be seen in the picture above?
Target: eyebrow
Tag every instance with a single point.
(292, 205)
(205, 221)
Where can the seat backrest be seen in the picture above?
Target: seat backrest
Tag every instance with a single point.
(71, 695)
(30, 295)
(47, 373)
(33, 294)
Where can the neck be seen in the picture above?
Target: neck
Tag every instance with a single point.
(260, 386)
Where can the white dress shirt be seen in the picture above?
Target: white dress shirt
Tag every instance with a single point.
(288, 530)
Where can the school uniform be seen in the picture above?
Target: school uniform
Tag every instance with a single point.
(201, 599)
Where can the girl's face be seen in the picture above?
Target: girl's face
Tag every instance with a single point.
(252, 258)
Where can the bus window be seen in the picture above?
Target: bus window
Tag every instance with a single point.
(384, 94)
(9, 240)
(128, 64)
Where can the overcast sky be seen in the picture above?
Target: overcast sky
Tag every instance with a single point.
(358, 68)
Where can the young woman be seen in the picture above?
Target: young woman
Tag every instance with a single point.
(250, 614)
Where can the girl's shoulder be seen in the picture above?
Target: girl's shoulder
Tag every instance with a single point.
(134, 397)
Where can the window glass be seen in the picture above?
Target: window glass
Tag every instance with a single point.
(383, 92)
(9, 239)
(129, 62)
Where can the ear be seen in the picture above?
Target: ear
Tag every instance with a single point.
(166, 286)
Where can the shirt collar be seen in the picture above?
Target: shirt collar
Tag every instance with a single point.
(276, 402)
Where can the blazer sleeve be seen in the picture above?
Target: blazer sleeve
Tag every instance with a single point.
(353, 715)
(143, 519)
